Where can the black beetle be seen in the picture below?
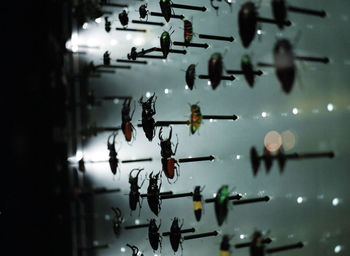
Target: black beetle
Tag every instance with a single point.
(127, 127)
(117, 220)
(143, 12)
(106, 58)
(284, 64)
(198, 202)
(221, 204)
(123, 18)
(133, 54)
(148, 111)
(215, 66)
(165, 144)
(248, 71)
(153, 235)
(135, 250)
(190, 76)
(279, 10)
(257, 247)
(153, 193)
(113, 155)
(247, 23)
(225, 246)
(175, 235)
(107, 25)
(165, 7)
(165, 42)
(134, 195)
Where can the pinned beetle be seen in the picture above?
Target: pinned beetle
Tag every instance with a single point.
(135, 250)
(175, 235)
(188, 32)
(133, 54)
(106, 58)
(165, 43)
(225, 246)
(198, 202)
(196, 118)
(169, 165)
(117, 221)
(113, 155)
(190, 76)
(153, 193)
(143, 12)
(221, 204)
(127, 127)
(123, 18)
(134, 195)
(107, 25)
(148, 111)
(247, 68)
(257, 247)
(247, 22)
(165, 7)
(215, 67)
(153, 235)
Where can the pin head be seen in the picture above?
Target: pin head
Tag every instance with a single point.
(165, 43)
(196, 118)
(215, 67)
(190, 76)
(247, 67)
(284, 64)
(279, 11)
(221, 201)
(165, 7)
(247, 23)
(188, 32)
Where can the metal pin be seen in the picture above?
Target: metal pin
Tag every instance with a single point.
(132, 61)
(132, 30)
(191, 44)
(248, 244)
(241, 72)
(234, 197)
(189, 7)
(219, 117)
(137, 226)
(230, 78)
(114, 5)
(221, 38)
(267, 65)
(168, 123)
(321, 13)
(252, 200)
(189, 230)
(137, 160)
(160, 194)
(272, 21)
(152, 57)
(172, 51)
(196, 159)
(176, 195)
(113, 66)
(324, 60)
(148, 23)
(158, 14)
(214, 233)
(286, 247)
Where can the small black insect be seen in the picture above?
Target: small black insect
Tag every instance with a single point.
(248, 71)
(123, 18)
(135, 250)
(165, 144)
(117, 220)
(113, 155)
(143, 12)
(106, 58)
(127, 127)
(247, 21)
(175, 235)
(148, 111)
(165, 7)
(133, 54)
(154, 237)
(134, 195)
(191, 76)
(153, 193)
(225, 246)
(198, 202)
(215, 67)
(257, 247)
(107, 25)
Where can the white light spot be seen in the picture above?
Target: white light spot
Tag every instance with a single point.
(74, 48)
(155, 254)
(335, 201)
(139, 253)
(238, 157)
(264, 114)
(137, 222)
(186, 87)
(98, 20)
(122, 249)
(211, 120)
(299, 200)
(214, 195)
(295, 111)
(148, 94)
(78, 155)
(259, 32)
(241, 236)
(92, 42)
(107, 217)
(166, 90)
(74, 38)
(85, 25)
(138, 41)
(113, 42)
(330, 107)
(337, 249)
(209, 83)
(116, 101)
(128, 37)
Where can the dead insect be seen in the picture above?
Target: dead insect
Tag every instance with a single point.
(106, 58)
(123, 18)
(153, 193)
(107, 25)
(127, 127)
(134, 195)
(148, 111)
(196, 118)
(133, 54)
(190, 76)
(113, 155)
(143, 12)
(175, 235)
(165, 7)
(165, 42)
(215, 67)
(154, 237)
(135, 250)
(117, 221)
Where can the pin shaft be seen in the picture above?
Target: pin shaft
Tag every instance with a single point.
(191, 44)
(262, 64)
(137, 226)
(196, 159)
(231, 78)
(132, 30)
(113, 66)
(105, 191)
(321, 13)
(234, 197)
(221, 38)
(233, 117)
(151, 57)
(132, 61)
(286, 247)
(162, 193)
(189, 7)
(252, 200)
(137, 160)
(272, 21)
(167, 123)
(324, 60)
(241, 72)
(176, 195)
(242, 245)
(214, 233)
(148, 23)
(189, 230)
(158, 14)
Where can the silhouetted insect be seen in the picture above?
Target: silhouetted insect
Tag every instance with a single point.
(175, 235)
(188, 31)
(190, 76)
(123, 18)
(134, 195)
(117, 220)
(247, 21)
(247, 67)
(107, 25)
(135, 250)
(257, 246)
(143, 12)
(113, 155)
(196, 118)
(148, 111)
(165, 42)
(153, 235)
(165, 7)
(133, 54)
(221, 204)
(169, 165)
(106, 58)
(215, 67)
(127, 127)
(153, 193)
(198, 202)
(225, 246)
(217, 7)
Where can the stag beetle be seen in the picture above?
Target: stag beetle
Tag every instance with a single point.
(175, 234)
(123, 18)
(148, 111)
(135, 250)
(113, 155)
(168, 163)
(107, 25)
(127, 127)
(117, 220)
(153, 235)
(143, 12)
(153, 193)
(198, 202)
(134, 195)
(106, 59)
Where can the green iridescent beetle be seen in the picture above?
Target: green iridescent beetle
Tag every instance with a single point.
(165, 42)
(221, 204)
(196, 118)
